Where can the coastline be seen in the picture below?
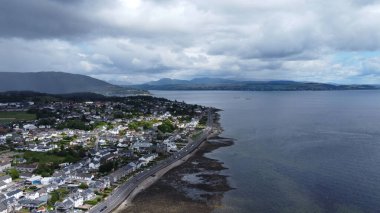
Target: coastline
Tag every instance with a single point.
(213, 185)
(123, 192)
(151, 180)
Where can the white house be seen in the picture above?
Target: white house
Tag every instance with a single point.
(15, 193)
(88, 194)
(4, 166)
(133, 166)
(51, 187)
(2, 185)
(6, 179)
(81, 176)
(3, 139)
(94, 164)
(171, 147)
(141, 145)
(32, 195)
(149, 157)
(77, 199)
(28, 127)
(46, 180)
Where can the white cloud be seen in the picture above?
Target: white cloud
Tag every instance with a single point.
(141, 40)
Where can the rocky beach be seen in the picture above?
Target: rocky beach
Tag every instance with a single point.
(197, 184)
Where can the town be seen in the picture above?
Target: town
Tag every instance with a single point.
(69, 153)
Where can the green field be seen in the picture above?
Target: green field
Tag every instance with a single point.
(6, 117)
(43, 157)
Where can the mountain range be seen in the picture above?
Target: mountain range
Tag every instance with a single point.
(65, 83)
(61, 83)
(226, 84)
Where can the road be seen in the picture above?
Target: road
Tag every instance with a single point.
(122, 192)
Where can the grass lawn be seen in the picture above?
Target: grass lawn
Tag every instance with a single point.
(196, 135)
(14, 116)
(43, 157)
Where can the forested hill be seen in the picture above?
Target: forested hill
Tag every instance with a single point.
(60, 83)
(225, 84)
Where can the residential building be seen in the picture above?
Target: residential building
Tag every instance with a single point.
(4, 166)
(3, 207)
(65, 206)
(26, 167)
(6, 179)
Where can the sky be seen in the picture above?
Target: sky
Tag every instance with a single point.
(135, 41)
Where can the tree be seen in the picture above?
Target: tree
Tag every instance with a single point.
(108, 167)
(83, 186)
(14, 173)
(57, 195)
(166, 126)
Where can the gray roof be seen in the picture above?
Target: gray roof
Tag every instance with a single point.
(66, 204)
(10, 201)
(29, 202)
(2, 197)
(11, 193)
(83, 175)
(26, 174)
(4, 163)
(5, 177)
(3, 206)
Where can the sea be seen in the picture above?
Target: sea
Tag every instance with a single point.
(301, 151)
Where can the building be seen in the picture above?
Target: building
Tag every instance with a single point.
(31, 204)
(88, 194)
(26, 175)
(149, 157)
(65, 206)
(15, 193)
(32, 195)
(6, 179)
(3, 185)
(4, 166)
(27, 167)
(94, 165)
(28, 127)
(81, 176)
(35, 180)
(3, 207)
(141, 146)
(12, 204)
(77, 199)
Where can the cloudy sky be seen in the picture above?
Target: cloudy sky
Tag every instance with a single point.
(134, 41)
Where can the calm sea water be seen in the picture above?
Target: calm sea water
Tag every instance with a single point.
(297, 151)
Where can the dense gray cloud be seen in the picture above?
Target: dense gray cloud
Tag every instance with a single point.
(142, 40)
(43, 19)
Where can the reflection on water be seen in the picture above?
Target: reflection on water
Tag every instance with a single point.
(297, 151)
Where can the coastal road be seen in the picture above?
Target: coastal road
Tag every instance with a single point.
(123, 191)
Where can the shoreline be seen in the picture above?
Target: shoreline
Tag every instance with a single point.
(198, 184)
(151, 180)
(158, 175)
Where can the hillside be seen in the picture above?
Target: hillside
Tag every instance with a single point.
(225, 84)
(60, 83)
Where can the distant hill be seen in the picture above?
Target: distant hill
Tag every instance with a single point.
(60, 83)
(225, 84)
(169, 81)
